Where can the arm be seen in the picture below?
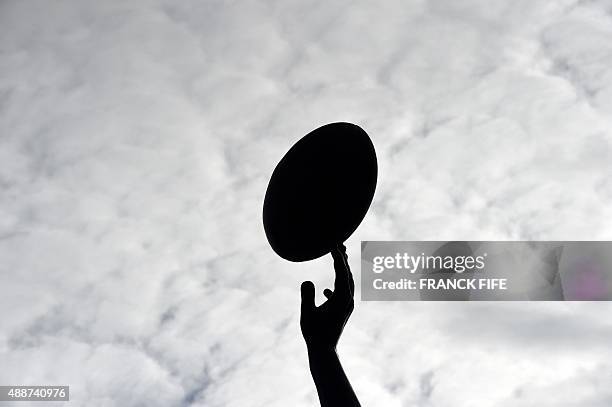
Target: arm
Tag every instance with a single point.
(322, 327)
(330, 380)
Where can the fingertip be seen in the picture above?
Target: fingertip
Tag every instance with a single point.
(307, 289)
(307, 286)
(327, 293)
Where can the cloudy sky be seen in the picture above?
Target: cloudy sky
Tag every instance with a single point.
(136, 142)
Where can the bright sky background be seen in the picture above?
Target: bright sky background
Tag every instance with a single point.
(136, 142)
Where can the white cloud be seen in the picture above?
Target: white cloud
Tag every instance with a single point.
(136, 142)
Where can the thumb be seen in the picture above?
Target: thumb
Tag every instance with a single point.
(308, 296)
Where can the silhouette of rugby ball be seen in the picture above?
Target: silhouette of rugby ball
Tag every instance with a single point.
(320, 191)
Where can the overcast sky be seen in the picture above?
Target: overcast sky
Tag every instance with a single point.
(136, 142)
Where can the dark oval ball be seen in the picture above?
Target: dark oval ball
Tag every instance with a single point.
(320, 191)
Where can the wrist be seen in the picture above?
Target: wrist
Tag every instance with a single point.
(320, 348)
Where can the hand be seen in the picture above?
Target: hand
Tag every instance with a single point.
(323, 325)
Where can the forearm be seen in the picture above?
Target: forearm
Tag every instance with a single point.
(332, 384)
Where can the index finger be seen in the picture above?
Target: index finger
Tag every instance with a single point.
(342, 284)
